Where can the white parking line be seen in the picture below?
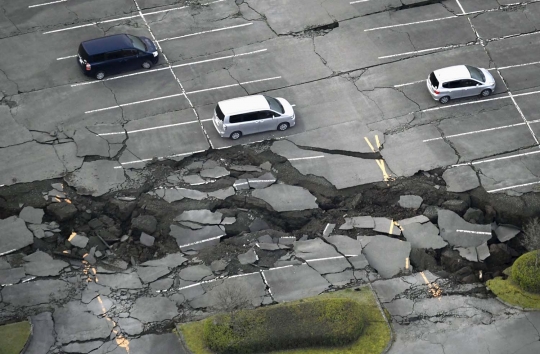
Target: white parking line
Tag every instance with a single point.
(173, 66)
(158, 158)
(481, 131)
(176, 95)
(461, 7)
(453, 46)
(497, 159)
(410, 23)
(202, 241)
(204, 32)
(358, 1)
(232, 85)
(410, 83)
(68, 57)
(147, 129)
(126, 17)
(512, 187)
(306, 158)
(464, 103)
(91, 24)
(47, 3)
(474, 232)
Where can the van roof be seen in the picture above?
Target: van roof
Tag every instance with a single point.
(451, 73)
(107, 44)
(244, 104)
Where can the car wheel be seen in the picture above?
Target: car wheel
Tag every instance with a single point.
(147, 65)
(444, 100)
(485, 93)
(236, 135)
(100, 75)
(283, 126)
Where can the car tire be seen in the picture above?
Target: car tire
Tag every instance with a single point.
(444, 99)
(236, 135)
(485, 93)
(283, 126)
(100, 75)
(147, 64)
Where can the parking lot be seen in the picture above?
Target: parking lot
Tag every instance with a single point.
(350, 84)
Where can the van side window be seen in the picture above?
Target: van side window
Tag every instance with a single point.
(452, 84)
(237, 118)
(129, 52)
(97, 58)
(113, 55)
(249, 117)
(266, 114)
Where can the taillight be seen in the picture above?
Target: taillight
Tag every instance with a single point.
(436, 92)
(88, 67)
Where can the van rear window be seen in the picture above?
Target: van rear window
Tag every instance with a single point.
(82, 52)
(433, 80)
(219, 113)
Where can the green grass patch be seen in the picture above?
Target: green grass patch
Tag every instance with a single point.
(508, 291)
(327, 319)
(526, 273)
(13, 337)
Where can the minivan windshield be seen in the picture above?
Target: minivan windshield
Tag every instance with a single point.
(137, 43)
(219, 113)
(476, 73)
(433, 80)
(275, 105)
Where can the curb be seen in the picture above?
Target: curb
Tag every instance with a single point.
(30, 337)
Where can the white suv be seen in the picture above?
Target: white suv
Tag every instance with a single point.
(252, 114)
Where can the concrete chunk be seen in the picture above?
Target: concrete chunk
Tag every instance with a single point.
(283, 197)
(153, 309)
(459, 233)
(222, 193)
(150, 274)
(506, 232)
(78, 240)
(387, 255)
(147, 240)
(14, 235)
(171, 260)
(423, 236)
(200, 216)
(32, 215)
(359, 222)
(410, 201)
(216, 172)
(11, 276)
(249, 257)
(386, 226)
(460, 179)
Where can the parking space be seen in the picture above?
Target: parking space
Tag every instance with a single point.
(369, 70)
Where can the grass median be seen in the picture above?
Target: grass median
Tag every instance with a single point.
(342, 322)
(13, 337)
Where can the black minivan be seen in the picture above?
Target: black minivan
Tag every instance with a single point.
(117, 53)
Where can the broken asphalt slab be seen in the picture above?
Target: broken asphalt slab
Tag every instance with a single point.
(387, 255)
(283, 197)
(459, 233)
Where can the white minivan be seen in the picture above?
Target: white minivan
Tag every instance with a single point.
(252, 114)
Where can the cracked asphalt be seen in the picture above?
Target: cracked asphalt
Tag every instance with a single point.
(355, 72)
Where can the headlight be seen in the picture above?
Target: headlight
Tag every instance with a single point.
(155, 54)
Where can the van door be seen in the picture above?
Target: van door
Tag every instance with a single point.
(267, 121)
(247, 123)
(113, 62)
(130, 59)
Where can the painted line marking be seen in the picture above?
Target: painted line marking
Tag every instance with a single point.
(481, 131)
(358, 1)
(427, 50)
(410, 83)
(147, 129)
(233, 85)
(172, 66)
(47, 3)
(410, 23)
(204, 32)
(158, 158)
(497, 159)
(202, 241)
(324, 259)
(306, 158)
(512, 187)
(474, 232)
(176, 95)
(91, 24)
(276, 268)
(124, 18)
(391, 230)
(461, 7)
(68, 57)
(369, 143)
(465, 103)
(8, 252)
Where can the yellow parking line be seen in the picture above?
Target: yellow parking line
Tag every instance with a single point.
(369, 143)
(391, 227)
(377, 141)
